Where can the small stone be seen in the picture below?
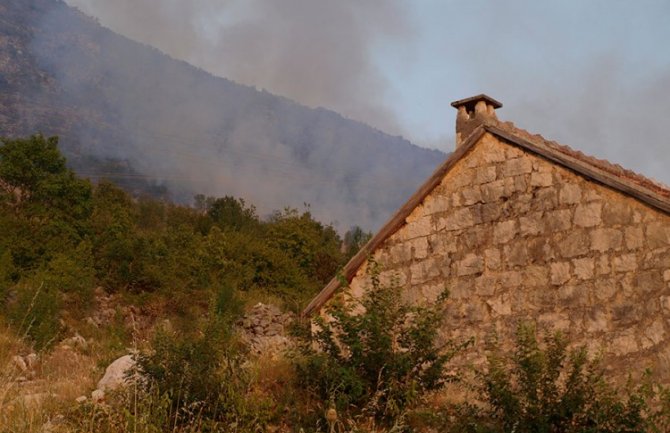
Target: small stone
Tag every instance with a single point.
(19, 363)
(31, 360)
(81, 399)
(98, 396)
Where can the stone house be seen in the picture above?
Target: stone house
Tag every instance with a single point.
(520, 228)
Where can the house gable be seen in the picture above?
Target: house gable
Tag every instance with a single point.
(517, 231)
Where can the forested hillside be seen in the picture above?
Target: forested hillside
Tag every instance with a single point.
(127, 112)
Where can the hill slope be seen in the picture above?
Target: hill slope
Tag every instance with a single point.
(128, 112)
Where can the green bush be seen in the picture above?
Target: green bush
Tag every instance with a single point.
(377, 354)
(543, 387)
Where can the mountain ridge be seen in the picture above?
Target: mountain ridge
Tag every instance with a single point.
(126, 110)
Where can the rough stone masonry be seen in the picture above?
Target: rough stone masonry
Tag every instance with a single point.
(516, 237)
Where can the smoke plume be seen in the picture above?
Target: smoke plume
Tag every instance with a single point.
(317, 52)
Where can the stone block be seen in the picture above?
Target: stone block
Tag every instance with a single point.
(597, 320)
(634, 238)
(541, 179)
(485, 175)
(400, 253)
(603, 267)
(493, 191)
(456, 200)
(485, 285)
(471, 195)
(558, 220)
(588, 215)
(505, 231)
(515, 184)
(650, 281)
(501, 305)
(666, 275)
(531, 225)
(545, 198)
(491, 212)
(560, 273)
(517, 166)
(443, 242)
(624, 263)
(584, 268)
(535, 276)
(437, 204)
(425, 270)
(605, 289)
(624, 344)
(570, 194)
(655, 333)
(555, 321)
(419, 247)
(576, 243)
(511, 279)
(417, 228)
(617, 213)
(658, 235)
(458, 220)
(459, 178)
(516, 254)
(606, 239)
(471, 264)
(492, 258)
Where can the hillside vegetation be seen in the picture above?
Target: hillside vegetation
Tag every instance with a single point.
(89, 273)
(153, 124)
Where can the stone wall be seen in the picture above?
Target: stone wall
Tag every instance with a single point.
(515, 237)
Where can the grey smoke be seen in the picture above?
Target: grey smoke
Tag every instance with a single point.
(317, 52)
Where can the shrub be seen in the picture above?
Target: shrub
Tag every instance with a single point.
(34, 312)
(377, 354)
(543, 387)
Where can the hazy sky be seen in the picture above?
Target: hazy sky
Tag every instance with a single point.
(593, 74)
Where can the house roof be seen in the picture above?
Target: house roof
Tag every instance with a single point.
(614, 176)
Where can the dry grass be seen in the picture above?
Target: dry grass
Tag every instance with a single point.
(29, 400)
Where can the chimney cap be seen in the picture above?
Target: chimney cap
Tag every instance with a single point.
(469, 103)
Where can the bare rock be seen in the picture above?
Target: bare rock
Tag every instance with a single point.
(116, 374)
(98, 396)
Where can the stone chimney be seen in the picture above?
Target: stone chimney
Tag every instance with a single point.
(472, 112)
